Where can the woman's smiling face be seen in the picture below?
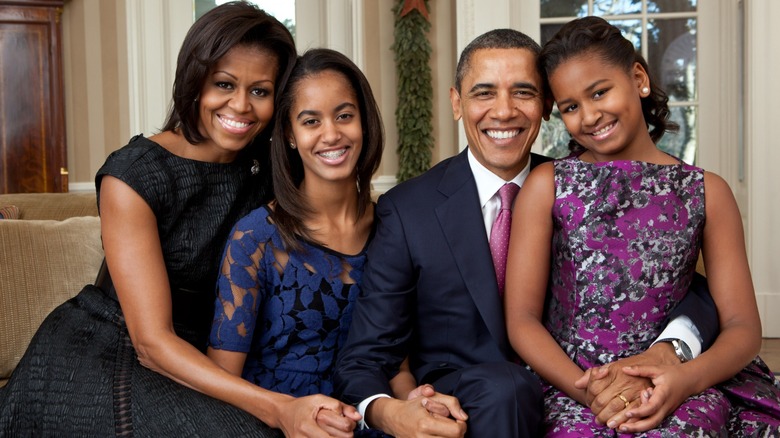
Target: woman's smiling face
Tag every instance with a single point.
(237, 100)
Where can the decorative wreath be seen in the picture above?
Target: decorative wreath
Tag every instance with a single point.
(414, 114)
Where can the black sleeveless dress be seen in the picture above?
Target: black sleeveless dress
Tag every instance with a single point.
(80, 375)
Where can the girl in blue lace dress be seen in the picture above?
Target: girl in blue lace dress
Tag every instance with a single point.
(292, 268)
(620, 224)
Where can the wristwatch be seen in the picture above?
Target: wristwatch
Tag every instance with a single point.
(681, 349)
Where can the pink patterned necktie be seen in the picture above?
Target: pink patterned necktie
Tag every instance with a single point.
(499, 234)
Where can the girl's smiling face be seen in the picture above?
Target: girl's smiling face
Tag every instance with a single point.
(601, 106)
(326, 127)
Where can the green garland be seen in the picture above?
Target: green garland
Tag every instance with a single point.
(414, 114)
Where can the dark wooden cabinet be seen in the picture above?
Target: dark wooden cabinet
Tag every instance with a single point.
(32, 123)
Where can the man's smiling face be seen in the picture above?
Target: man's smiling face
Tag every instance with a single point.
(501, 103)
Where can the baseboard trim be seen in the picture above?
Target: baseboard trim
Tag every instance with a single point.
(81, 187)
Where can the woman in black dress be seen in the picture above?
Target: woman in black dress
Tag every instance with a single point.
(126, 356)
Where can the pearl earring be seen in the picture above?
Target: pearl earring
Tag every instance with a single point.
(645, 90)
(292, 145)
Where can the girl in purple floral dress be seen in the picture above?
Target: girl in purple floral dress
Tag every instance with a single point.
(624, 223)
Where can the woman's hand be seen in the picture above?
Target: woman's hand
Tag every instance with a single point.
(671, 390)
(604, 384)
(317, 416)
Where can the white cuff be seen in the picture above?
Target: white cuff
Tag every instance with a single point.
(683, 328)
(362, 406)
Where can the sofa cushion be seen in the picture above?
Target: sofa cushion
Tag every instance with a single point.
(42, 264)
(9, 212)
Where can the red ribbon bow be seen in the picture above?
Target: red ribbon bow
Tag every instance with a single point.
(411, 5)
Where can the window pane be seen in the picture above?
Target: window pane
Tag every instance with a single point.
(555, 138)
(683, 143)
(672, 56)
(631, 30)
(671, 6)
(283, 11)
(203, 6)
(616, 7)
(548, 31)
(563, 8)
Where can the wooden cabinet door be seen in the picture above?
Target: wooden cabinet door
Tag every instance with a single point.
(32, 129)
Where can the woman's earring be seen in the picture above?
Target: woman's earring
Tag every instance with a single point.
(645, 90)
(292, 145)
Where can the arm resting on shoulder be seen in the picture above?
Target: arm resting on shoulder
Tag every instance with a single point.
(132, 246)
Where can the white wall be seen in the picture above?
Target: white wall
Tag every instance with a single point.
(763, 157)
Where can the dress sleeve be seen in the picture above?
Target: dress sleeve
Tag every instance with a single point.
(140, 165)
(239, 289)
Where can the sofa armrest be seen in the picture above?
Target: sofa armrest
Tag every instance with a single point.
(42, 264)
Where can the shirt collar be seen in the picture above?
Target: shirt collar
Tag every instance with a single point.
(488, 182)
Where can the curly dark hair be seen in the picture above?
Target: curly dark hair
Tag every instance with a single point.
(596, 37)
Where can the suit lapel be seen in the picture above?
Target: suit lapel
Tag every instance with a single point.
(461, 220)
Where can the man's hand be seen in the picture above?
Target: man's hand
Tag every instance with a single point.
(605, 385)
(429, 400)
(411, 418)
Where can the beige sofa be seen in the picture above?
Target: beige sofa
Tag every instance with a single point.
(46, 256)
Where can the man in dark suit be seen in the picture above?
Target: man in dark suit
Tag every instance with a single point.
(430, 291)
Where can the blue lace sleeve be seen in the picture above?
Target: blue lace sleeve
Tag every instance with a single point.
(239, 287)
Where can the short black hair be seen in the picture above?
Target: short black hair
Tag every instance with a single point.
(494, 39)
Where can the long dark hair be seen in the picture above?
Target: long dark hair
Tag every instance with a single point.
(209, 39)
(287, 167)
(596, 37)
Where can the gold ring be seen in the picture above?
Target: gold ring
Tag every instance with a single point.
(622, 397)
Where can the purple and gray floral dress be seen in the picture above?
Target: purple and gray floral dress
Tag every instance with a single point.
(626, 239)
